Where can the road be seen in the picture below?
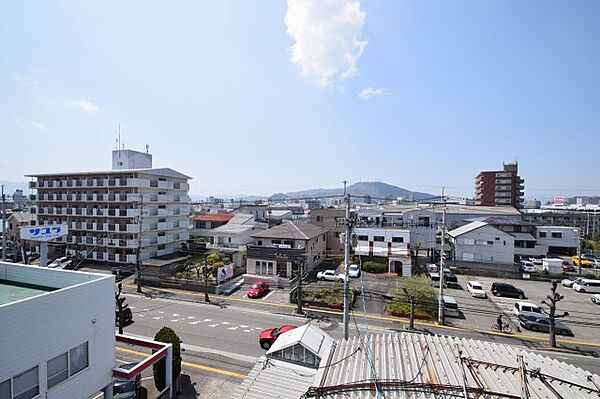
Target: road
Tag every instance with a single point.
(222, 337)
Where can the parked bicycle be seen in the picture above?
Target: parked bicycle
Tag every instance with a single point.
(502, 325)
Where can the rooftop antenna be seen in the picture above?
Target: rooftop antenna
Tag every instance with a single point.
(147, 148)
(119, 141)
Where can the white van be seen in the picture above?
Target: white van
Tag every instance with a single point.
(587, 285)
(526, 308)
(450, 307)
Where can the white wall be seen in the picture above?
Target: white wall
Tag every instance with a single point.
(485, 244)
(35, 330)
(380, 248)
(568, 238)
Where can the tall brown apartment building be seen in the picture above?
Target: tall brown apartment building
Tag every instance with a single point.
(500, 187)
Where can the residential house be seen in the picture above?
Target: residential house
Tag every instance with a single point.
(481, 242)
(203, 225)
(332, 220)
(16, 220)
(391, 244)
(281, 250)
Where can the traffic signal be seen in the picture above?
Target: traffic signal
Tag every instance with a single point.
(123, 315)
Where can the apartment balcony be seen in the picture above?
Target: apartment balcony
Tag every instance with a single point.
(165, 198)
(165, 185)
(33, 184)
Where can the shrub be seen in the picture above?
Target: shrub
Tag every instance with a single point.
(425, 296)
(372, 266)
(167, 335)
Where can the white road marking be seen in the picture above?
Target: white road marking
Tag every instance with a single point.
(246, 330)
(243, 326)
(191, 317)
(175, 314)
(145, 310)
(132, 307)
(174, 321)
(140, 315)
(207, 320)
(225, 322)
(268, 295)
(212, 325)
(232, 328)
(161, 312)
(157, 318)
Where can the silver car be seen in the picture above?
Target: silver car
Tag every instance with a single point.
(568, 282)
(542, 324)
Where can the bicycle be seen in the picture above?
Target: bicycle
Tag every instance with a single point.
(506, 328)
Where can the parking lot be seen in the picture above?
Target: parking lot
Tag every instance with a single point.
(583, 319)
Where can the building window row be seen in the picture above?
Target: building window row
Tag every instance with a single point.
(27, 385)
(265, 268)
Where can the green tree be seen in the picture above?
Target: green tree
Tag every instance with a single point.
(419, 287)
(167, 335)
(212, 258)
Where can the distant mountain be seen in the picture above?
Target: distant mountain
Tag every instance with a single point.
(360, 189)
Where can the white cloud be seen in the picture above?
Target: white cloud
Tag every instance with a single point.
(327, 38)
(25, 81)
(369, 92)
(84, 106)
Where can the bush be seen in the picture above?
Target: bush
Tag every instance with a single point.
(167, 335)
(372, 266)
(426, 300)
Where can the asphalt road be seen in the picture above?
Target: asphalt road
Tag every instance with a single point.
(224, 335)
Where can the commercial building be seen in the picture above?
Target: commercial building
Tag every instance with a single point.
(481, 242)
(558, 239)
(408, 365)
(57, 332)
(500, 187)
(586, 218)
(390, 244)
(281, 250)
(106, 210)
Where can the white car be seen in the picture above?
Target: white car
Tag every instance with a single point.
(476, 289)
(527, 266)
(527, 308)
(569, 281)
(596, 299)
(354, 271)
(330, 275)
(60, 263)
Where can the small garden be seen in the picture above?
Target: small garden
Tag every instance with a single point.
(193, 269)
(426, 300)
(326, 297)
(371, 265)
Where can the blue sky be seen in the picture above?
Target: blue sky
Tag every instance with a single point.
(265, 96)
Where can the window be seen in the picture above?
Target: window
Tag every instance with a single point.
(556, 234)
(319, 219)
(58, 369)
(397, 239)
(490, 243)
(542, 234)
(497, 238)
(26, 385)
(379, 238)
(78, 359)
(259, 242)
(360, 238)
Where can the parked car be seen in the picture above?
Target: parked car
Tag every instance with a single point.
(569, 281)
(476, 289)
(330, 275)
(586, 261)
(527, 308)
(354, 271)
(450, 306)
(596, 299)
(536, 262)
(268, 336)
(587, 285)
(509, 290)
(127, 389)
(60, 263)
(258, 289)
(542, 324)
(567, 266)
(527, 266)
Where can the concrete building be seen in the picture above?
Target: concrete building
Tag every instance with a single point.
(58, 333)
(102, 208)
(481, 242)
(500, 187)
(558, 239)
(280, 250)
(330, 219)
(586, 218)
(203, 225)
(391, 244)
(526, 243)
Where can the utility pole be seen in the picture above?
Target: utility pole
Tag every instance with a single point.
(299, 309)
(441, 298)
(347, 242)
(551, 301)
(138, 265)
(411, 320)
(579, 245)
(3, 226)
(205, 272)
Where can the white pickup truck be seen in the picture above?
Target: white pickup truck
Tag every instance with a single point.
(330, 275)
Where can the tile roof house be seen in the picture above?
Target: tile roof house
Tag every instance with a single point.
(283, 249)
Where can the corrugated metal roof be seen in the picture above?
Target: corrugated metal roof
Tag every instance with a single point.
(435, 359)
(467, 228)
(421, 367)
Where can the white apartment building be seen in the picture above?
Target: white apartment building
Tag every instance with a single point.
(58, 333)
(104, 209)
(382, 242)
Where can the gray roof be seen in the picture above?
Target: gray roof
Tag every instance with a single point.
(23, 216)
(293, 230)
(467, 228)
(523, 236)
(153, 171)
(421, 366)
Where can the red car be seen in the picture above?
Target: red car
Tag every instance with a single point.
(567, 267)
(268, 336)
(258, 289)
